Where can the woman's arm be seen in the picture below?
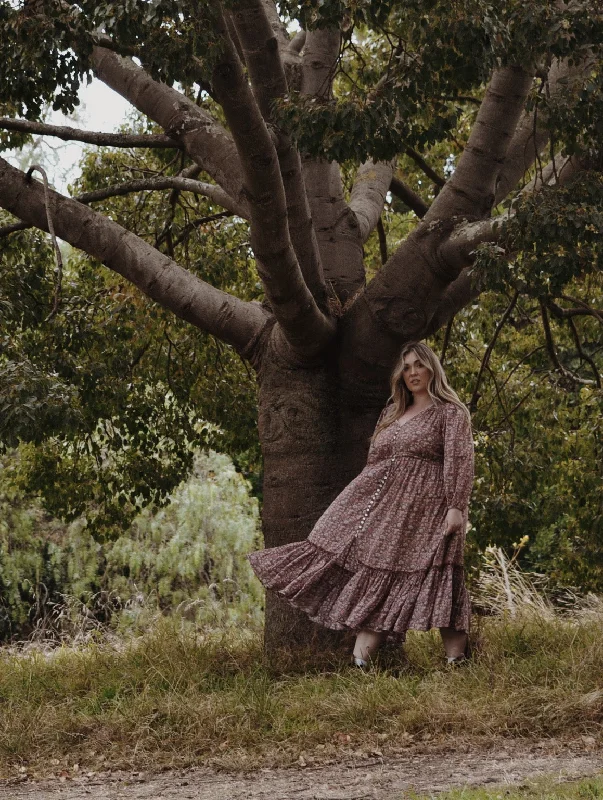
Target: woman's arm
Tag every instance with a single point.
(458, 460)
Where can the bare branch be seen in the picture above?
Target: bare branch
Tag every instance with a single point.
(580, 311)
(368, 194)
(89, 137)
(486, 359)
(150, 184)
(403, 192)
(304, 325)
(269, 83)
(424, 167)
(584, 356)
(203, 138)
(234, 321)
(209, 190)
(550, 346)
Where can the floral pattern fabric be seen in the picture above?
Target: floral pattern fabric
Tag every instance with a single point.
(377, 558)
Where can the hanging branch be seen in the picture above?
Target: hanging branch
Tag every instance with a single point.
(424, 166)
(486, 359)
(57, 252)
(550, 346)
(584, 356)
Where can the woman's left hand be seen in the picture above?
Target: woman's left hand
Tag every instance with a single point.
(454, 522)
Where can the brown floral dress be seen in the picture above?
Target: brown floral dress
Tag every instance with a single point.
(377, 558)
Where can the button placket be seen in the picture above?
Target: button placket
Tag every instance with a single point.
(382, 481)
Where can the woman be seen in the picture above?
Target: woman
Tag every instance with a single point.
(387, 554)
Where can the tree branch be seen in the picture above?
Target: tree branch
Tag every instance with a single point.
(550, 346)
(89, 137)
(214, 193)
(531, 135)
(234, 321)
(470, 190)
(203, 138)
(486, 359)
(368, 194)
(403, 192)
(304, 325)
(424, 167)
(269, 83)
(209, 190)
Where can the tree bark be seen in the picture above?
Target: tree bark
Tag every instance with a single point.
(314, 431)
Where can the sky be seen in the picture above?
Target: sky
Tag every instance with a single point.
(101, 109)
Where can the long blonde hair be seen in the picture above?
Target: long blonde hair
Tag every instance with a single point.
(439, 389)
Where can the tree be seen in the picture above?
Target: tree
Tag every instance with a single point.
(277, 123)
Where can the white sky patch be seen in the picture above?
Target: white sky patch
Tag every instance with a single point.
(100, 109)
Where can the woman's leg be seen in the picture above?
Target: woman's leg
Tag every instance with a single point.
(367, 644)
(455, 642)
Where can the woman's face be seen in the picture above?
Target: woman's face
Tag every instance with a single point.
(416, 374)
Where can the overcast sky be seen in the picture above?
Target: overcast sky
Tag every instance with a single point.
(101, 109)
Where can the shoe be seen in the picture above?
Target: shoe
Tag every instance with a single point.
(463, 658)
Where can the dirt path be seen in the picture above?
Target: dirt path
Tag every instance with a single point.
(362, 778)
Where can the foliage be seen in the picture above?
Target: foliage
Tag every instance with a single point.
(547, 242)
(190, 553)
(116, 391)
(538, 440)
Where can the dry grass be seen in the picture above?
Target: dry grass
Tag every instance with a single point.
(542, 789)
(177, 695)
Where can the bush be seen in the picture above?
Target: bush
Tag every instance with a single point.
(189, 553)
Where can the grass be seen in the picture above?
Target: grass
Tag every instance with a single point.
(542, 789)
(176, 696)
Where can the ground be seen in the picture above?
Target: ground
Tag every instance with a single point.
(374, 776)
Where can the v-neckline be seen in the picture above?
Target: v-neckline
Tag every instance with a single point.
(418, 414)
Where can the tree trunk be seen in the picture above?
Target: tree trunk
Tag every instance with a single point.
(314, 431)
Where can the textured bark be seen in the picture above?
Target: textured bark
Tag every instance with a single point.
(305, 326)
(314, 429)
(234, 321)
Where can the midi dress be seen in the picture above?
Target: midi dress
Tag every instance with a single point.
(378, 558)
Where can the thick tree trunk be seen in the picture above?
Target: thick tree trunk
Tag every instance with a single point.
(314, 433)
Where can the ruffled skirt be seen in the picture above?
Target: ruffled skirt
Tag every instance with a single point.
(339, 592)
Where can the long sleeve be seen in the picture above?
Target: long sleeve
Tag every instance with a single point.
(458, 457)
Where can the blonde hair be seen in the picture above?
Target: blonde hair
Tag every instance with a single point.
(439, 389)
